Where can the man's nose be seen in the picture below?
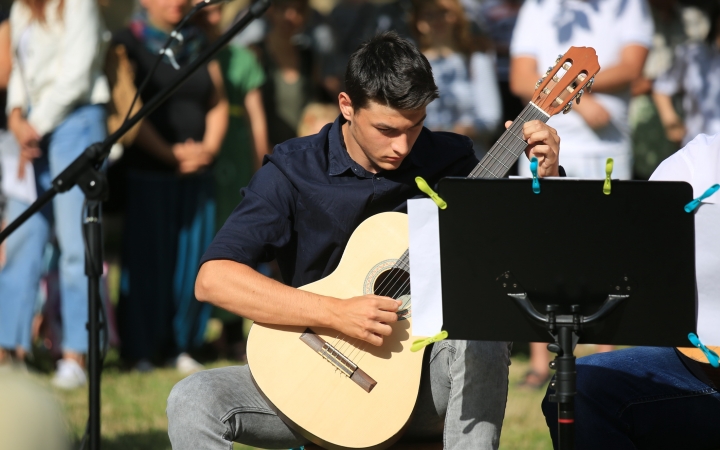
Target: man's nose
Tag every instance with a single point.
(401, 145)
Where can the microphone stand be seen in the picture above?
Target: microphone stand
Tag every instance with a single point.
(85, 172)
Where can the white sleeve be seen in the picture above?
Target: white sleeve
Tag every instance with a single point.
(635, 23)
(524, 38)
(82, 40)
(16, 92)
(674, 168)
(486, 93)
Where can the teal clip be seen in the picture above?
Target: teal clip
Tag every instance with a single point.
(608, 172)
(533, 169)
(692, 206)
(711, 356)
(423, 186)
(422, 343)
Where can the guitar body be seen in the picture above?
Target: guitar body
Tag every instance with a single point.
(311, 394)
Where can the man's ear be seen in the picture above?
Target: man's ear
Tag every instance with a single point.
(346, 108)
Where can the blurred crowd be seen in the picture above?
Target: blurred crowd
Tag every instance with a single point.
(67, 80)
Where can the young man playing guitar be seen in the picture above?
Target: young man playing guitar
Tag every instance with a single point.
(301, 208)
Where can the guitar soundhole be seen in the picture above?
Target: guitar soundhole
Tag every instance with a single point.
(395, 283)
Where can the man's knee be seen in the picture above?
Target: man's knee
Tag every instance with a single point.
(487, 351)
(187, 396)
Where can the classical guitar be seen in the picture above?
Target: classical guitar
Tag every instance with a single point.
(339, 392)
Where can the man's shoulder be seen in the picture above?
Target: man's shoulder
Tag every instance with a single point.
(699, 155)
(298, 149)
(443, 145)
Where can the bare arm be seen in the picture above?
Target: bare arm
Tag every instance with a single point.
(5, 54)
(673, 124)
(242, 290)
(216, 120)
(152, 142)
(620, 76)
(258, 124)
(523, 76)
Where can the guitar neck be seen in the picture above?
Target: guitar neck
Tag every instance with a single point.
(501, 156)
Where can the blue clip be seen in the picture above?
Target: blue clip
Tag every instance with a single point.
(533, 169)
(692, 206)
(711, 356)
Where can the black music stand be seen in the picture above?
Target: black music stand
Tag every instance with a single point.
(567, 265)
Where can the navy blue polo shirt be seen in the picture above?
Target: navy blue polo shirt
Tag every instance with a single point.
(309, 196)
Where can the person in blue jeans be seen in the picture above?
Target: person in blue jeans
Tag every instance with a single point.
(651, 397)
(301, 207)
(56, 98)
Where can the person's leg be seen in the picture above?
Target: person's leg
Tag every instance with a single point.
(80, 129)
(468, 382)
(214, 408)
(145, 308)
(640, 398)
(20, 276)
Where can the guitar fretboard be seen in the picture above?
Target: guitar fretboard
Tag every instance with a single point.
(499, 159)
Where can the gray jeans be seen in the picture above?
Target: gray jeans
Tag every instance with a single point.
(463, 390)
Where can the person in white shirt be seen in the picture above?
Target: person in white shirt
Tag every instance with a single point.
(55, 106)
(621, 32)
(653, 397)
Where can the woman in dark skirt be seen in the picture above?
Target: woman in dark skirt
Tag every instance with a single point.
(169, 216)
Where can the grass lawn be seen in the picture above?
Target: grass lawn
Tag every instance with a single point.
(133, 410)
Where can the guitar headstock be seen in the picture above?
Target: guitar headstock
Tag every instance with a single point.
(572, 75)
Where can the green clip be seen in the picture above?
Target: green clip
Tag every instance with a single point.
(608, 172)
(422, 343)
(423, 186)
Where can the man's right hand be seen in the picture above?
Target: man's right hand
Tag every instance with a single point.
(27, 138)
(367, 317)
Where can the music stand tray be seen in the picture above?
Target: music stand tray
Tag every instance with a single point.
(567, 265)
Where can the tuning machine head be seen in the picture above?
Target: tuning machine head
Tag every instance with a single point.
(568, 107)
(590, 84)
(578, 96)
(539, 82)
(558, 59)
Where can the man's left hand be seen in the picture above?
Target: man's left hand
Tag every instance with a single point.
(544, 144)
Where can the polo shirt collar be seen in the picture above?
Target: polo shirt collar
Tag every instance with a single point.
(340, 160)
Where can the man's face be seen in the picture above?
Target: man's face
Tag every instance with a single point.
(379, 137)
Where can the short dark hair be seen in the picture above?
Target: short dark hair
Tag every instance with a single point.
(391, 71)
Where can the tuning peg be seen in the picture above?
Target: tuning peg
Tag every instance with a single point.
(558, 59)
(567, 108)
(539, 82)
(548, 71)
(578, 96)
(590, 84)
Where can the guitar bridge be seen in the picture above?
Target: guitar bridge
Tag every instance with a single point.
(338, 360)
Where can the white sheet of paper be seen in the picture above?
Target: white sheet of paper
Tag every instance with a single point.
(707, 260)
(13, 187)
(425, 283)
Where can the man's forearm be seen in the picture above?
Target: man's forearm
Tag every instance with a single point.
(243, 291)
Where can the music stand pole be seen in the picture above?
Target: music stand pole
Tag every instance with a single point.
(85, 172)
